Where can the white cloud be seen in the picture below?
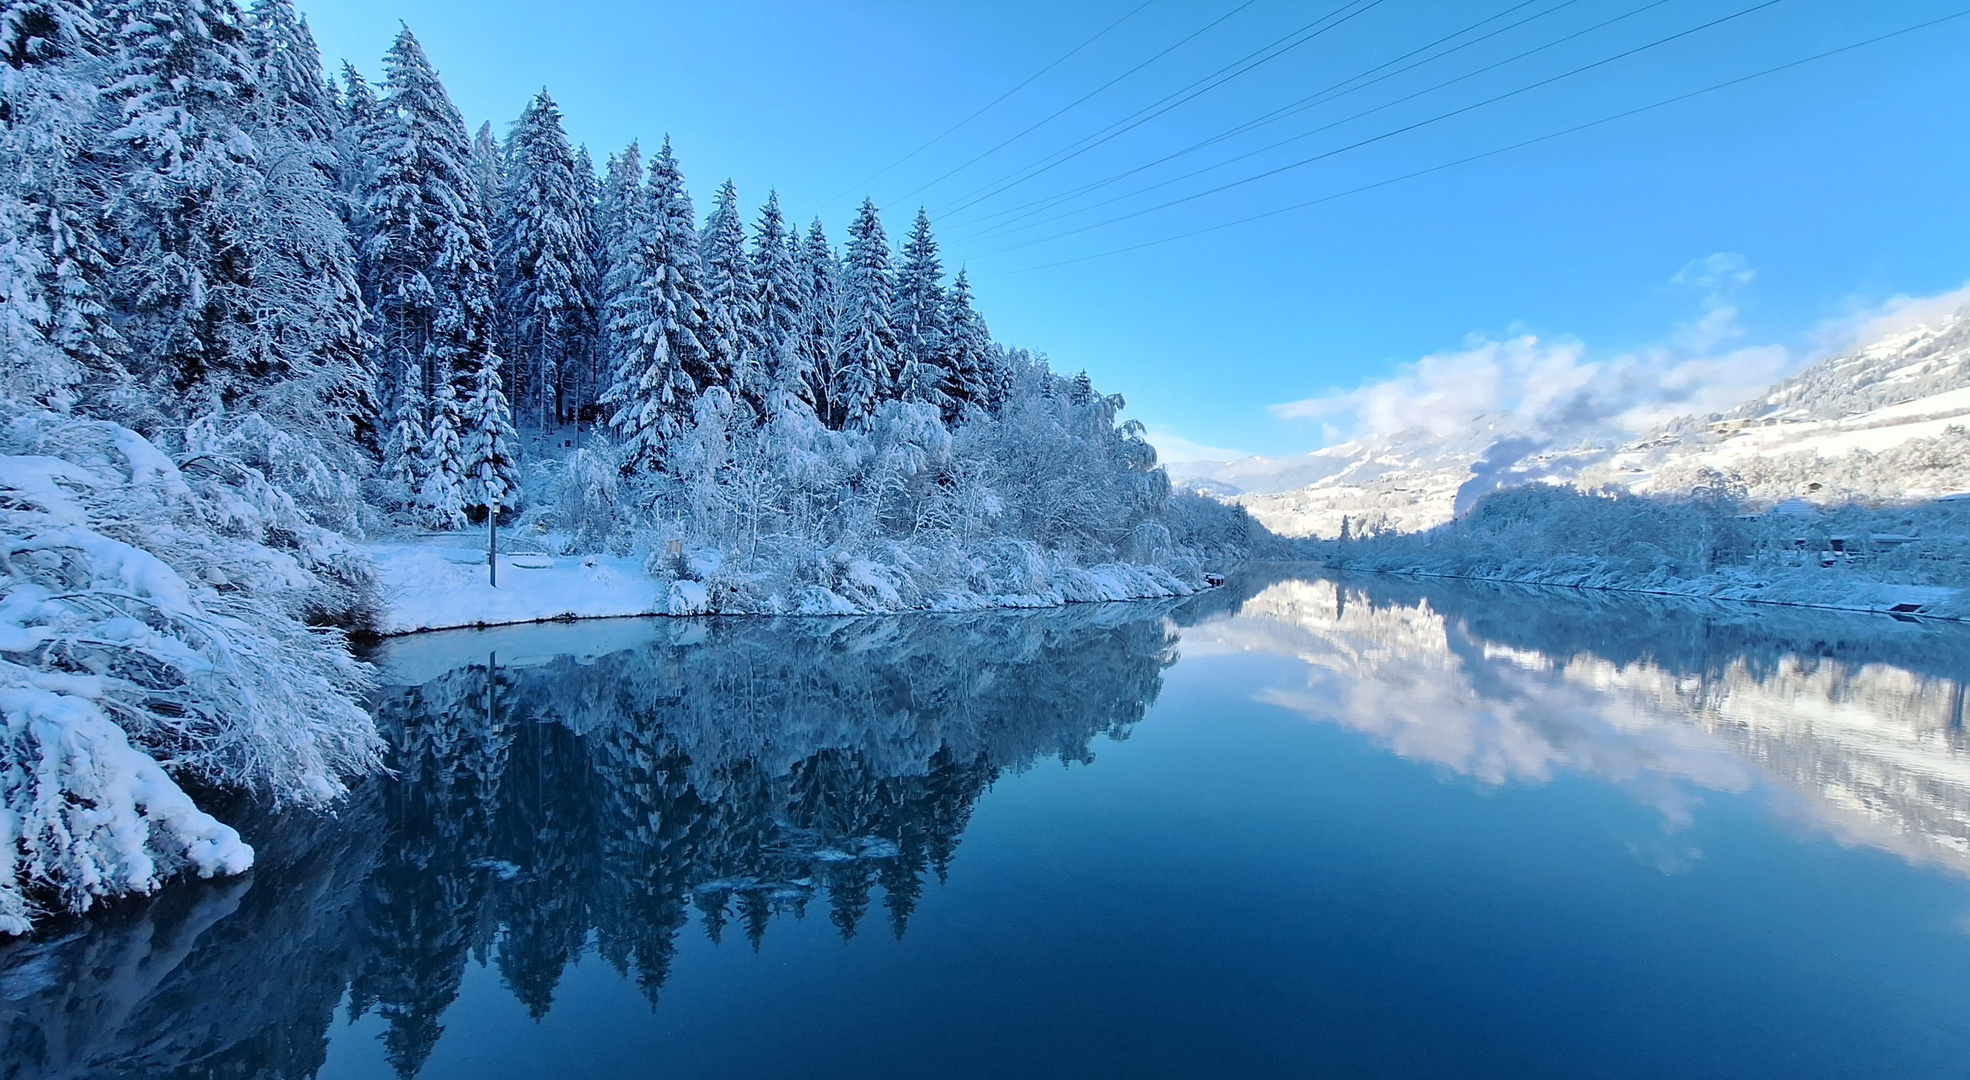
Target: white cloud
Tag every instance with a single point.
(1553, 390)
(1865, 322)
(1171, 447)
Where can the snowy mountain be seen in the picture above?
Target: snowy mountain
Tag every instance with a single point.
(1872, 422)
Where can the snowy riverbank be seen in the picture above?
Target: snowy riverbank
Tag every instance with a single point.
(440, 582)
(1885, 598)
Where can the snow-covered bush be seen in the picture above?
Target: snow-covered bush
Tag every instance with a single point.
(1045, 502)
(154, 628)
(1709, 541)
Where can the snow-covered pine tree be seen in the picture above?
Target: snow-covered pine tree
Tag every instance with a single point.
(440, 500)
(309, 315)
(293, 92)
(969, 353)
(657, 319)
(622, 210)
(922, 336)
(55, 326)
(356, 150)
(545, 260)
(581, 377)
(405, 448)
(820, 321)
(487, 166)
(777, 294)
(490, 475)
(731, 322)
(427, 259)
(865, 375)
(488, 173)
(178, 82)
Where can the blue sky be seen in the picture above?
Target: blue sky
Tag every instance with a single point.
(1826, 189)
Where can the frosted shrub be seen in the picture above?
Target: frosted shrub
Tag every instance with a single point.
(588, 501)
(151, 627)
(1047, 501)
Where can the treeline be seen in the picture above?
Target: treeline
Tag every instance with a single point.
(203, 220)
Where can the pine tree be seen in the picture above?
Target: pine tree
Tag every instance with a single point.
(356, 151)
(622, 213)
(865, 375)
(545, 258)
(55, 326)
(777, 299)
(427, 259)
(969, 353)
(292, 92)
(179, 80)
(490, 470)
(922, 335)
(657, 321)
(731, 322)
(582, 377)
(440, 501)
(404, 450)
(820, 321)
(309, 316)
(488, 172)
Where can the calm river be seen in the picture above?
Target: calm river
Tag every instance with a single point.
(1299, 826)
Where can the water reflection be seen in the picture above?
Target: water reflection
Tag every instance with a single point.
(1853, 722)
(600, 789)
(729, 772)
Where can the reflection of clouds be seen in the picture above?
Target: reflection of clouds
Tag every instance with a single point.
(1867, 752)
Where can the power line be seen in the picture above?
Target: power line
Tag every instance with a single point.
(1500, 150)
(1008, 227)
(1318, 97)
(1077, 101)
(1281, 46)
(939, 137)
(1388, 134)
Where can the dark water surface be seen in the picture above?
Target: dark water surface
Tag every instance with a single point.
(1296, 827)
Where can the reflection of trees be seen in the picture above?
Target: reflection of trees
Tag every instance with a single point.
(730, 772)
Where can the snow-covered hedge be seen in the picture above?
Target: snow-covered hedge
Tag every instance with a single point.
(155, 628)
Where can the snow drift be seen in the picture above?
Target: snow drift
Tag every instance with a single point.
(154, 630)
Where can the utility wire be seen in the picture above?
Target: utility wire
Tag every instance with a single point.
(1500, 150)
(1072, 104)
(1283, 45)
(939, 137)
(1009, 227)
(1280, 113)
(1303, 162)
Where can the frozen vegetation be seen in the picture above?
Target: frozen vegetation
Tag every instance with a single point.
(275, 341)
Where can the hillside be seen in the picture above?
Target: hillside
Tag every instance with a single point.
(1873, 422)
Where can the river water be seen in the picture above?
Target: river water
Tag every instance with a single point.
(1299, 826)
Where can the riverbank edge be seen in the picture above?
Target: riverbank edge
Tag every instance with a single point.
(1851, 609)
(428, 588)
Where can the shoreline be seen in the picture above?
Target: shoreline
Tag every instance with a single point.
(1712, 597)
(430, 587)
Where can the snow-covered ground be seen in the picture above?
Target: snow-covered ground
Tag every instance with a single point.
(440, 581)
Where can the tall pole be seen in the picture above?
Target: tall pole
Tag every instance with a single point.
(492, 534)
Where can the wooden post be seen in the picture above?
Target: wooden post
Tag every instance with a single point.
(492, 535)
